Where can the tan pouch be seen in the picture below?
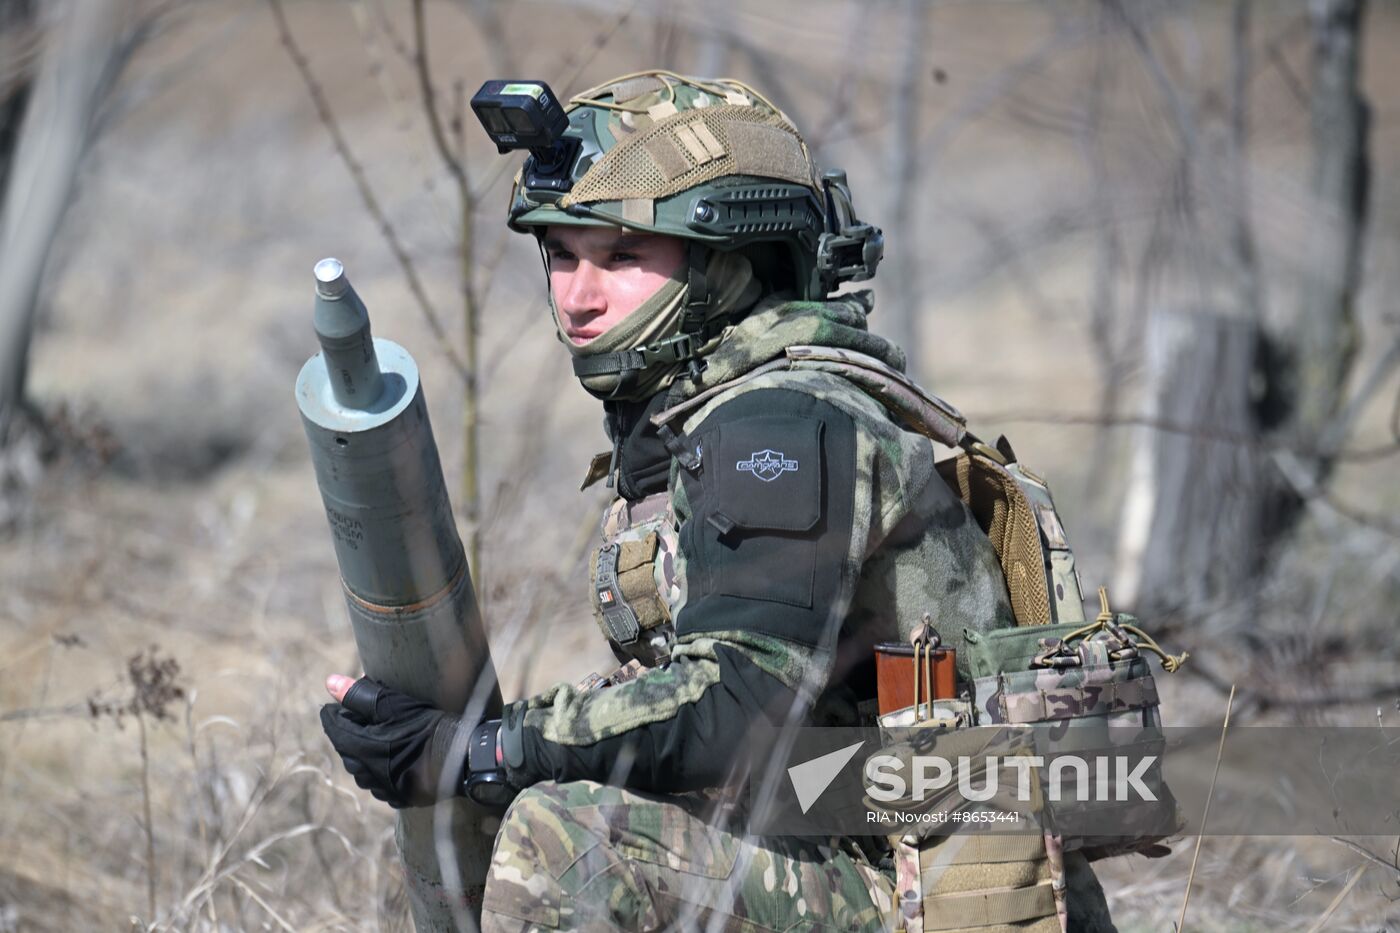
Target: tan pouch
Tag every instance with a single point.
(1005, 514)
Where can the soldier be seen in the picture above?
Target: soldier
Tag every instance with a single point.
(771, 525)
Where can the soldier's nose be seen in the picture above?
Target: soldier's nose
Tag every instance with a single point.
(582, 297)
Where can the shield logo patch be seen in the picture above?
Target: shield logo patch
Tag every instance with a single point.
(767, 465)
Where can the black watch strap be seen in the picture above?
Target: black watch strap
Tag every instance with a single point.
(486, 783)
(481, 752)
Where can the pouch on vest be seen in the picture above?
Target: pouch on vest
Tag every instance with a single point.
(1013, 506)
(1088, 690)
(631, 576)
(951, 878)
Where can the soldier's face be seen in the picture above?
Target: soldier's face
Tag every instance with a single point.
(599, 275)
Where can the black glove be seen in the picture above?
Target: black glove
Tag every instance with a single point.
(394, 746)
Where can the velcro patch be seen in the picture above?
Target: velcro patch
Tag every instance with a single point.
(639, 211)
(768, 150)
(670, 160)
(631, 89)
(769, 473)
(699, 143)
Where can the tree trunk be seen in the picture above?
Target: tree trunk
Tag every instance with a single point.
(80, 42)
(18, 47)
(901, 300)
(1191, 529)
(1203, 516)
(1323, 335)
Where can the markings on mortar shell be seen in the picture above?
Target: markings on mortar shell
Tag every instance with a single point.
(346, 528)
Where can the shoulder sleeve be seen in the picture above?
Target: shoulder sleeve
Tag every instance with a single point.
(770, 542)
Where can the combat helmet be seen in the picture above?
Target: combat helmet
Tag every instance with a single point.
(711, 161)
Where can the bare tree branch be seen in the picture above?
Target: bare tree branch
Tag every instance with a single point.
(572, 70)
(374, 35)
(1267, 699)
(1274, 52)
(425, 86)
(1392, 866)
(838, 114)
(1167, 426)
(1182, 114)
(1002, 245)
(984, 96)
(470, 501)
(362, 186)
(1307, 486)
(1340, 428)
(487, 16)
(1110, 352)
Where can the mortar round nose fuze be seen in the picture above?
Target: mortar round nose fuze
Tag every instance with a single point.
(330, 278)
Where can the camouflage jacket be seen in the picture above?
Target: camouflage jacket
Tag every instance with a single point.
(810, 526)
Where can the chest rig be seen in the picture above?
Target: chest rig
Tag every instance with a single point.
(635, 582)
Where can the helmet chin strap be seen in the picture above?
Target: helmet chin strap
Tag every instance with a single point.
(695, 331)
(697, 307)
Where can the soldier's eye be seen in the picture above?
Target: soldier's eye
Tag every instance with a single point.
(560, 255)
(624, 257)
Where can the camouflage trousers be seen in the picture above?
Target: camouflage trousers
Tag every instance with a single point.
(587, 856)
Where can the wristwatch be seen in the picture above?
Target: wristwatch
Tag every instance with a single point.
(487, 785)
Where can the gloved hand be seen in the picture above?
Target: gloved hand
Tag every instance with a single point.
(394, 746)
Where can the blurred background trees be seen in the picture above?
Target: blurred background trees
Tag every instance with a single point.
(1270, 387)
(1152, 242)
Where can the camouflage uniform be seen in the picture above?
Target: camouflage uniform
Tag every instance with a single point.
(580, 854)
(584, 855)
(766, 538)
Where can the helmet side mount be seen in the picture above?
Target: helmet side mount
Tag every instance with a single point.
(849, 250)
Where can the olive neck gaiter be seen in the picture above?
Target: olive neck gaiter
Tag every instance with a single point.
(733, 287)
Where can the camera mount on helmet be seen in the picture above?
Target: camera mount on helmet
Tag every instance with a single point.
(527, 115)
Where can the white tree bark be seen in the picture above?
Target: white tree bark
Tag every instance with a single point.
(82, 41)
(1324, 330)
(1190, 530)
(1203, 514)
